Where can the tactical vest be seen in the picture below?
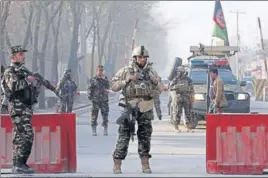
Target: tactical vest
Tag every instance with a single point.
(182, 86)
(140, 88)
(27, 95)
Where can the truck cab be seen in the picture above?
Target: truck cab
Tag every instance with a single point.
(238, 99)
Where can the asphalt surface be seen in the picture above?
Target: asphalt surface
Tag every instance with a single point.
(173, 154)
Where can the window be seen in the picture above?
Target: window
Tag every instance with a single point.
(200, 76)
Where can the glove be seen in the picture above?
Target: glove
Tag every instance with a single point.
(154, 80)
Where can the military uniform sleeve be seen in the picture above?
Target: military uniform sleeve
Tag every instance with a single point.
(107, 83)
(90, 87)
(75, 86)
(119, 80)
(12, 82)
(172, 85)
(191, 88)
(159, 84)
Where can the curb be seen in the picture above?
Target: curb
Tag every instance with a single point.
(86, 109)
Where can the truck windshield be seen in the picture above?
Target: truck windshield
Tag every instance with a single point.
(200, 77)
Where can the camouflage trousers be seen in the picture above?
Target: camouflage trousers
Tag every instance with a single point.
(66, 105)
(103, 106)
(23, 135)
(182, 103)
(144, 134)
(157, 105)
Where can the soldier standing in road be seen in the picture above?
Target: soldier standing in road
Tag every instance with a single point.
(4, 101)
(21, 94)
(184, 88)
(67, 89)
(98, 93)
(137, 80)
(218, 99)
(157, 103)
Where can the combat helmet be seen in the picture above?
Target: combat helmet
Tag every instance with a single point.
(181, 70)
(67, 71)
(140, 51)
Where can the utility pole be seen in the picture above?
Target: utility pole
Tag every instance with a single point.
(238, 41)
(133, 41)
(134, 33)
(262, 47)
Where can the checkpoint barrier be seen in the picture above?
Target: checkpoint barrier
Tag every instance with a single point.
(259, 85)
(236, 143)
(54, 147)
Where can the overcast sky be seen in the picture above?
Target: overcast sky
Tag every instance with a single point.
(196, 24)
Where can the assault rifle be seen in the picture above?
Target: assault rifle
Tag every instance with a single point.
(128, 115)
(39, 77)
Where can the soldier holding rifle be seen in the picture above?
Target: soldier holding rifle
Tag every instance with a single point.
(22, 88)
(137, 81)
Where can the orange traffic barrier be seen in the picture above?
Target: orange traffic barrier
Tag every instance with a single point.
(237, 143)
(54, 147)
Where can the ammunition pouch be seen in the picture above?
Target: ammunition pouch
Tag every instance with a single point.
(27, 96)
(139, 89)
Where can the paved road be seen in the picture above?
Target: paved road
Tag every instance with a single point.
(174, 154)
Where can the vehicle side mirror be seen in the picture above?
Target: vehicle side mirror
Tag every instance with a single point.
(243, 83)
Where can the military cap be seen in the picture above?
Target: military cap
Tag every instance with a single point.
(100, 67)
(16, 49)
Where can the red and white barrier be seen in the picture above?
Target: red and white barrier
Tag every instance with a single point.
(54, 148)
(237, 143)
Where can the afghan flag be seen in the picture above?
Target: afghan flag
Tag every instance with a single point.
(220, 29)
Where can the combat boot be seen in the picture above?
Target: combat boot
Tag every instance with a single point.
(105, 130)
(94, 131)
(160, 117)
(189, 127)
(20, 167)
(145, 165)
(176, 127)
(117, 166)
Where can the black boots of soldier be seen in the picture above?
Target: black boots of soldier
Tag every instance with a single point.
(94, 130)
(20, 167)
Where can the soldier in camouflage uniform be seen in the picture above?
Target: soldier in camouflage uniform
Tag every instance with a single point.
(67, 89)
(157, 103)
(137, 80)
(4, 101)
(21, 94)
(98, 93)
(184, 88)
